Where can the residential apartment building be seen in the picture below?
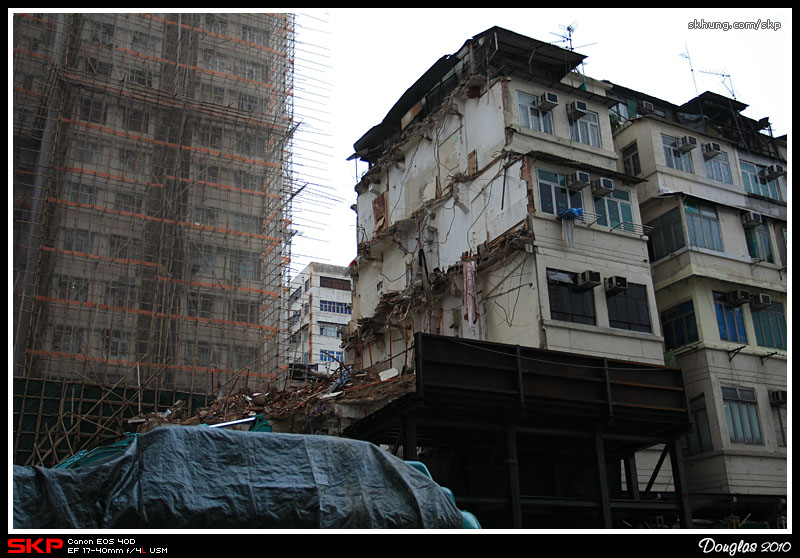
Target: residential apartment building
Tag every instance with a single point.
(320, 306)
(150, 200)
(503, 259)
(714, 192)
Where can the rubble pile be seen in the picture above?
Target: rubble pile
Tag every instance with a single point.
(301, 410)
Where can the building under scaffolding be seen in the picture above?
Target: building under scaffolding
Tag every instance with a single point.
(151, 208)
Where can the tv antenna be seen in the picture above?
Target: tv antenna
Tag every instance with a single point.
(725, 76)
(567, 38)
(691, 69)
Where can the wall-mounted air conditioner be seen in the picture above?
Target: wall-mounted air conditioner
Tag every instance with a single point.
(711, 150)
(616, 284)
(759, 301)
(750, 219)
(588, 279)
(738, 297)
(778, 398)
(645, 107)
(687, 143)
(578, 180)
(602, 186)
(547, 102)
(773, 171)
(577, 109)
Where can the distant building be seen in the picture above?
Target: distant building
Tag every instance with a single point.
(320, 306)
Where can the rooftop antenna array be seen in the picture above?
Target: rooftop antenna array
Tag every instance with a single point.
(725, 77)
(691, 68)
(566, 38)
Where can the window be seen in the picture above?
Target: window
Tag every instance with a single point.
(586, 129)
(759, 244)
(335, 307)
(245, 311)
(78, 240)
(531, 117)
(115, 343)
(68, 339)
(244, 357)
(615, 210)
(717, 168)
(628, 309)
(102, 34)
(135, 120)
(555, 196)
(120, 294)
(703, 225)
(244, 265)
(666, 235)
(81, 193)
(700, 437)
(779, 418)
(200, 305)
(755, 183)
(676, 158)
(128, 202)
(331, 356)
(680, 326)
(72, 288)
(92, 110)
(630, 159)
(254, 35)
(329, 330)
(125, 248)
(334, 283)
(140, 76)
(202, 258)
(770, 326)
(567, 302)
(741, 412)
(205, 216)
(730, 319)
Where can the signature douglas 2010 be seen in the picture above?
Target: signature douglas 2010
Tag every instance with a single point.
(709, 545)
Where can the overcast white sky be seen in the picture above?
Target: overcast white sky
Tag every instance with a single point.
(367, 58)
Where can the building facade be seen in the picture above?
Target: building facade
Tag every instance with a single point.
(714, 194)
(320, 306)
(151, 176)
(495, 218)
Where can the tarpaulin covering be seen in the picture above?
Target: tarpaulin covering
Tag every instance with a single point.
(199, 477)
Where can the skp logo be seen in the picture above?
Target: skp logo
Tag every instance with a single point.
(30, 546)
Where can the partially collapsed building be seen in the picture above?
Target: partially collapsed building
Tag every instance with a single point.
(151, 187)
(499, 239)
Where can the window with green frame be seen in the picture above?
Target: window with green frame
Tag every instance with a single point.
(666, 235)
(770, 326)
(717, 168)
(679, 325)
(615, 210)
(554, 195)
(754, 183)
(702, 223)
(759, 244)
(741, 412)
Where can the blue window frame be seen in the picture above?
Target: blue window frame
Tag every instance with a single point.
(730, 319)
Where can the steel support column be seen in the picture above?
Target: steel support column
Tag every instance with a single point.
(602, 480)
(512, 462)
(678, 477)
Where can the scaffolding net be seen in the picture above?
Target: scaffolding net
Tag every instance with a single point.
(152, 183)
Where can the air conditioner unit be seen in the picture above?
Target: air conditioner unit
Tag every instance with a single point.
(602, 186)
(773, 171)
(578, 180)
(588, 279)
(711, 150)
(759, 301)
(778, 398)
(616, 284)
(547, 102)
(751, 219)
(687, 143)
(738, 297)
(645, 107)
(577, 109)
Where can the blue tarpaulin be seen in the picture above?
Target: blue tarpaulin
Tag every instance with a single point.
(198, 477)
